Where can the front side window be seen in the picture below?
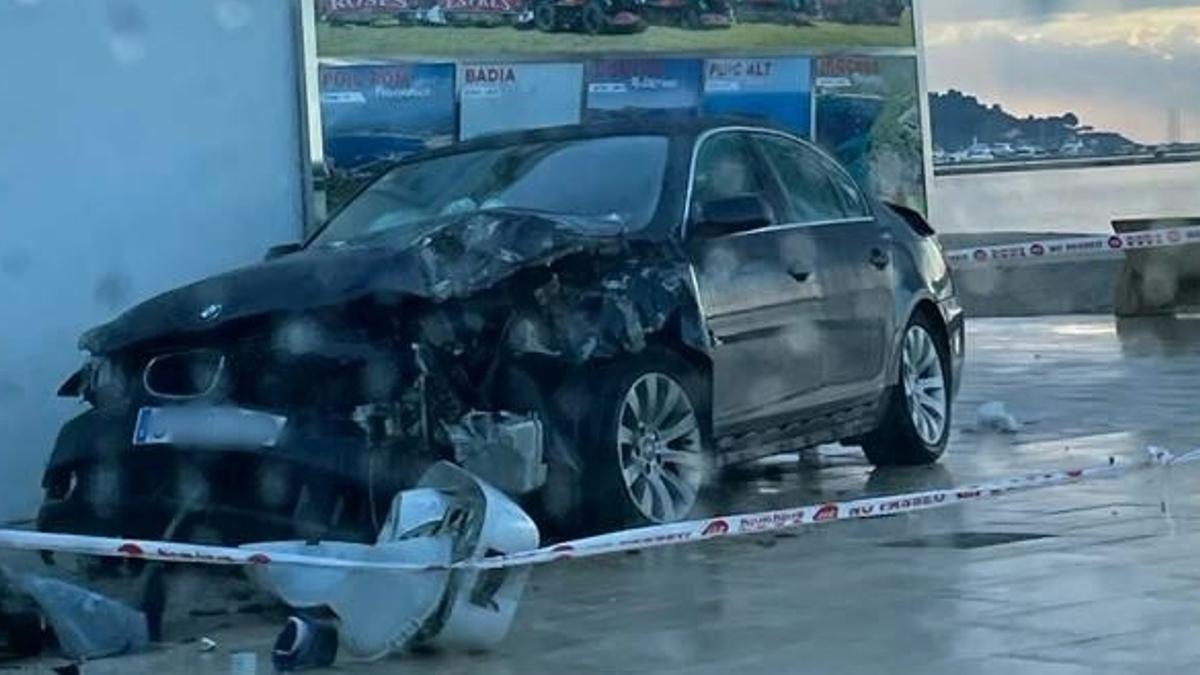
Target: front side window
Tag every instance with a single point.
(815, 190)
(726, 169)
(614, 180)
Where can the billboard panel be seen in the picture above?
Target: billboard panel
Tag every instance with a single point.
(630, 88)
(506, 96)
(520, 64)
(869, 118)
(473, 28)
(383, 111)
(778, 91)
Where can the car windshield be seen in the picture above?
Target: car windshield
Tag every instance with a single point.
(614, 180)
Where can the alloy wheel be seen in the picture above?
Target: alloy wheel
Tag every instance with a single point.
(659, 448)
(925, 385)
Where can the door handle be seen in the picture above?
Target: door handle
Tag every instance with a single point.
(879, 258)
(798, 274)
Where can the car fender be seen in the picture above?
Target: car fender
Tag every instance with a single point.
(922, 279)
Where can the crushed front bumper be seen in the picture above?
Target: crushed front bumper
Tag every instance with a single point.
(99, 482)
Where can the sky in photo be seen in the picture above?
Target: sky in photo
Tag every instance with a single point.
(1120, 65)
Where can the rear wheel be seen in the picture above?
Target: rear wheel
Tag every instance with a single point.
(916, 425)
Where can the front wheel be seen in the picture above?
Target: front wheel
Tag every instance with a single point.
(916, 424)
(647, 461)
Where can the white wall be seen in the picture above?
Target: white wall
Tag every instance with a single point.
(143, 143)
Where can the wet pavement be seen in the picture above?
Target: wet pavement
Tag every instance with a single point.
(1094, 577)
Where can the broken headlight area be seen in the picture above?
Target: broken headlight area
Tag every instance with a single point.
(101, 381)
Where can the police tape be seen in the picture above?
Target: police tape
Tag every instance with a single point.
(1076, 247)
(653, 536)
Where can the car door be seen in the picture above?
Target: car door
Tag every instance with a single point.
(757, 291)
(853, 262)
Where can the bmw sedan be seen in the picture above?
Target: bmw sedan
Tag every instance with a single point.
(594, 319)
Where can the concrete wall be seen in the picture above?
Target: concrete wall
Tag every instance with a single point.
(143, 143)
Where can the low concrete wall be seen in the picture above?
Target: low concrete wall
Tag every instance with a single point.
(1067, 287)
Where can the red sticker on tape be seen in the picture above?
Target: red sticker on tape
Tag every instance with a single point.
(826, 512)
(131, 550)
(715, 527)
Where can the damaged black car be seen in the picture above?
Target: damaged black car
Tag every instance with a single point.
(594, 319)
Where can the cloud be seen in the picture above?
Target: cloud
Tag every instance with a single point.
(1119, 69)
(1039, 10)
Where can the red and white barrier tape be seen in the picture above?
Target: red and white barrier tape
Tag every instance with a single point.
(1078, 247)
(627, 540)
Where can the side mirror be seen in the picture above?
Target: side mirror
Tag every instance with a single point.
(282, 250)
(720, 217)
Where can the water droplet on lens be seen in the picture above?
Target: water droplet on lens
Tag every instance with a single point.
(112, 290)
(233, 14)
(15, 263)
(127, 32)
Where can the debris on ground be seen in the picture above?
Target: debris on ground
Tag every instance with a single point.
(207, 644)
(22, 630)
(994, 416)
(84, 624)
(448, 517)
(243, 663)
(305, 643)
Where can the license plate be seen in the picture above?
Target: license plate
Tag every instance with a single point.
(207, 426)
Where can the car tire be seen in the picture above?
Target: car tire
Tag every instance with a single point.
(545, 17)
(690, 18)
(916, 422)
(592, 20)
(645, 440)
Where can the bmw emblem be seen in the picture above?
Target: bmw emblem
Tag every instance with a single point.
(210, 313)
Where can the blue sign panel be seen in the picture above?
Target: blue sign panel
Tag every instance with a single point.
(383, 111)
(774, 90)
(624, 88)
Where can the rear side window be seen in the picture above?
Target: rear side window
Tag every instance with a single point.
(816, 191)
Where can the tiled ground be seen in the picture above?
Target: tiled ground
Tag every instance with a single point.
(1113, 587)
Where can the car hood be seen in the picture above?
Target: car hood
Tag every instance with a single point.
(461, 256)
